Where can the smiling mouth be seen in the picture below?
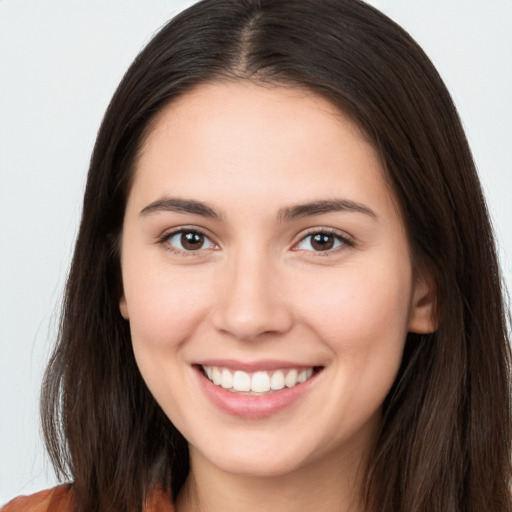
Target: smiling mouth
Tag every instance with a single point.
(259, 383)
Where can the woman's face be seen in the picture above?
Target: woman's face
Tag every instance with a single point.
(262, 250)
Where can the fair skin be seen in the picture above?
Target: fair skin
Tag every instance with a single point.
(261, 237)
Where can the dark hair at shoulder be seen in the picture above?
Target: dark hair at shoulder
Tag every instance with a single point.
(446, 434)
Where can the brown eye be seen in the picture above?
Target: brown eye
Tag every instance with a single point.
(188, 241)
(192, 241)
(321, 242)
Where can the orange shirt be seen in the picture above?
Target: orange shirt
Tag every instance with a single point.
(61, 499)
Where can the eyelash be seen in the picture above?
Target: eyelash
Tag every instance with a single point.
(343, 239)
(164, 240)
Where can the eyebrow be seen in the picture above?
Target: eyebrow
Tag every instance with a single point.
(175, 204)
(192, 206)
(324, 206)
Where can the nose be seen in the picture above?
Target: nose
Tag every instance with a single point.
(252, 302)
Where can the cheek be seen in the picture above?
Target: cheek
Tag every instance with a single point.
(362, 310)
(164, 308)
(362, 318)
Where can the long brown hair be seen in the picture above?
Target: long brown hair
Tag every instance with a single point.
(446, 433)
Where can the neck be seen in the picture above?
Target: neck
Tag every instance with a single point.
(333, 484)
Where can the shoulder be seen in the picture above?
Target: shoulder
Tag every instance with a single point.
(62, 499)
(158, 500)
(57, 499)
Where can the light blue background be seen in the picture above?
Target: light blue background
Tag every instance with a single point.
(60, 61)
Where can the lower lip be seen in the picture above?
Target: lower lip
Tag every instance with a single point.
(247, 406)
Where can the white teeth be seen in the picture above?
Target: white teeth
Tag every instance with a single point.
(277, 380)
(242, 381)
(302, 376)
(217, 376)
(291, 378)
(258, 382)
(227, 379)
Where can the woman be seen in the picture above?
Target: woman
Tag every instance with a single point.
(284, 291)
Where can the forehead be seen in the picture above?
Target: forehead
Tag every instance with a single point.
(275, 103)
(245, 138)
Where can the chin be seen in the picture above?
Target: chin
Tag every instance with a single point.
(262, 466)
(256, 457)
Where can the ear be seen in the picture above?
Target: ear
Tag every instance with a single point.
(123, 307)
(423, 316)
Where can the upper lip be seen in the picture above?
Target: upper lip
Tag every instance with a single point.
(253, 366)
